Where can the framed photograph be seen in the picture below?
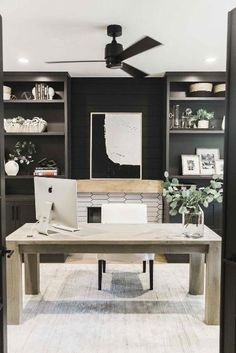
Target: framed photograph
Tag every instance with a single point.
(208, 158)
(190, 164)
(219, 167)
(116, 146)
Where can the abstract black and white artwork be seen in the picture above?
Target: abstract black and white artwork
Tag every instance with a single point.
(116, 145)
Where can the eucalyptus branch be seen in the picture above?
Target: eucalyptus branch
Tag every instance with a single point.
(189, 199)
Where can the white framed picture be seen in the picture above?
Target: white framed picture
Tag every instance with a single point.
(219, 167)
(190, 164)
(208, 158)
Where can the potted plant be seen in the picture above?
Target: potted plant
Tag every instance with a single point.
(202, 118)
(22, 154)
(187, 201)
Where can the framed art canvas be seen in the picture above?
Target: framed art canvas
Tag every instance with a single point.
(116, 146)
(219, 167)
(208, 158)
(190, 164)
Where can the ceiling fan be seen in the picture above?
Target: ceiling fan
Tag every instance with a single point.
(115, 55)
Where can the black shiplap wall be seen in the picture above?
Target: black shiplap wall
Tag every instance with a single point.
(117, 95)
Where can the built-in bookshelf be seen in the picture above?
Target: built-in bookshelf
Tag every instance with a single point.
(183, 141)
(52, 144)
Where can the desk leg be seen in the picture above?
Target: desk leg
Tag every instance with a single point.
(196, 273)
(32, 273)
(213, 272)
(14, 286)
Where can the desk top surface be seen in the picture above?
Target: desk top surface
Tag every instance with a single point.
(150, 233)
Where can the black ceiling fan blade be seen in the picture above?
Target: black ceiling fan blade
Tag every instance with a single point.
(74, 61)
(136, 73)
(142, 45)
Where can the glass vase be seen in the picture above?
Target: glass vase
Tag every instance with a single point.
(176, 116)
(193, 224)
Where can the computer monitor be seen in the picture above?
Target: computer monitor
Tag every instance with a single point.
(55, 204)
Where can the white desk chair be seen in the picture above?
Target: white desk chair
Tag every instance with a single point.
(124, 214)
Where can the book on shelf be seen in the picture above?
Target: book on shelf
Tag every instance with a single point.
(45, 174)
(46, 171)
(41, 91)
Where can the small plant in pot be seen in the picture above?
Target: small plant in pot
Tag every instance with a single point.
(202, 118)
(21, 155)
(187, 201)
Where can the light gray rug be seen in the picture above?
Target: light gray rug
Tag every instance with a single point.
(71, 316)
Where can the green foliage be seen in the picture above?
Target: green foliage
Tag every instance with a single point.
(23, 152)
(188, 199)
(202, 114)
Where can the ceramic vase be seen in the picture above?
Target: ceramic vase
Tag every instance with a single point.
(51, 93)
(11, 168)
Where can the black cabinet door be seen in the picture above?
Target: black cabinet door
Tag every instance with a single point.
(213, 217)
(3, 322)
(24, 213)
(228, 324)
(10, 217)
(228, 294)
(19, 213)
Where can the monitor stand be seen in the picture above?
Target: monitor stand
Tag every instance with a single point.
(44, 221)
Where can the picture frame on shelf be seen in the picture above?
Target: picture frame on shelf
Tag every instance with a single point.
(190, 164)
(207, 159)
(219, 167)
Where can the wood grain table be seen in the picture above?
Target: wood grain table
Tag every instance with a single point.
(166, 238)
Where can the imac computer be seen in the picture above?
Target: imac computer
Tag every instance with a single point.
(55, 204)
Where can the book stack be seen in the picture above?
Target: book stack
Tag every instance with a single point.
(46, 171)
(41, 91)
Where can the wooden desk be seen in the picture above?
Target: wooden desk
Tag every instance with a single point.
(115, 238)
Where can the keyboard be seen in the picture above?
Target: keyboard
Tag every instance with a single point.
(63, 227)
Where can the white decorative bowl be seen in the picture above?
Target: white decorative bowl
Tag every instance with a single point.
(21, 125)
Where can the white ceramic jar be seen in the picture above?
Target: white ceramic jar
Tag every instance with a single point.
(203, 124)
(11, 168)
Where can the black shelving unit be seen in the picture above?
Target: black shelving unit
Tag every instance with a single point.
(185, 141)
(18, 190)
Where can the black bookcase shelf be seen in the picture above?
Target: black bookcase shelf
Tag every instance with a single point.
(198, 99)
(185, 141)
(11, 177)
(33, 101)
(38, 134)
(196, 131)
(192, 177)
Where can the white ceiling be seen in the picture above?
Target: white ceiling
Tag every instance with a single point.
(42, 30)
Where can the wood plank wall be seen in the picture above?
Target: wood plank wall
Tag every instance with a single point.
(118, 95)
